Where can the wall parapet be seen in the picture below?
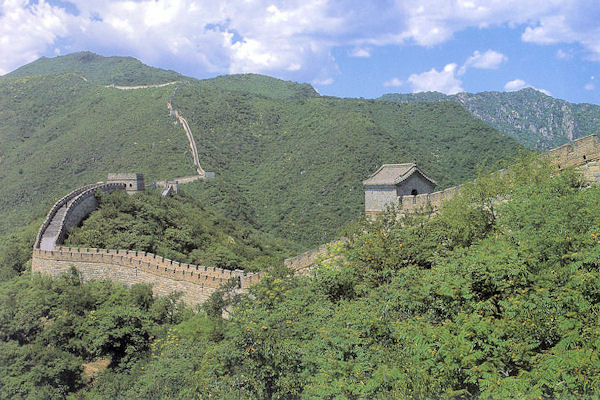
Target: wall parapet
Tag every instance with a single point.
(309, 258)
(93, 261)
(73, 215)
(55, 207)
(212, 277)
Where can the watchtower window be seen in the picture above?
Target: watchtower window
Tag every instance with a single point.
(584, 157)
(414, 192)
(130, 185)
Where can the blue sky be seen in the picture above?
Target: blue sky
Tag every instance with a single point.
(346, 48)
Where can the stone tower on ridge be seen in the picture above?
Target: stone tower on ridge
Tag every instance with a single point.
(134, 183)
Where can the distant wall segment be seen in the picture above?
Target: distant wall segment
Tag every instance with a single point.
(583, 153)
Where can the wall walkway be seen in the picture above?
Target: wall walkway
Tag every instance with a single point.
(196, 282)
(583, 153)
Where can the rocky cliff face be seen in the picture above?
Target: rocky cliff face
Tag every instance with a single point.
(528, 115)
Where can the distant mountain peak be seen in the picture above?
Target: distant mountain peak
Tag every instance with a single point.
(529, 115)
(99, 69)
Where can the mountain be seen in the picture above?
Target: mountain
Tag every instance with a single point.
(99, 69)
(287, 160)
(533, 118)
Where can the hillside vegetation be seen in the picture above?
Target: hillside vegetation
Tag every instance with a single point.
(261, 85)
(287, 161)
(299, 165)
(179, 228)
(533, 118)
(485, 299)
(58, 132)
(124, 71)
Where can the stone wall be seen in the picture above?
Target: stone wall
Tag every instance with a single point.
(129, 267)
(191, 293)
(194, 281)
(375, 196)
(415, 182)
(583, 153)
(82, 205)
(309, 258)
(55, 207)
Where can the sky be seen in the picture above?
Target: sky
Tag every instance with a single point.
(344, 48)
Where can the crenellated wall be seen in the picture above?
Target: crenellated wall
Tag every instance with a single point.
(130, 267)
(583, 153)
(197, 282)
(126, 266)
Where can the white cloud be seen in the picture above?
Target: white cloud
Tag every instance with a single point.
(519, 84)
(444, 81)
(360, 52)
(287, 38)
(489, 60)
(572, 22)
(27, 30)
(589, 86)
(516, 84)
(394, 82)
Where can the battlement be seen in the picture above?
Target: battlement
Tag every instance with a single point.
(134, 183)
(196, 282)
(129, 267)
(580, 152)
(583, 153)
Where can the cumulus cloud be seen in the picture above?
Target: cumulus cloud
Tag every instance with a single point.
(572, 22)
(394, 82)
(27, 30)
(518, 84)
(444, 81)
(489, 60)
(287, 38)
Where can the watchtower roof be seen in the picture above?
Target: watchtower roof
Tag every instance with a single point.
(393, 174)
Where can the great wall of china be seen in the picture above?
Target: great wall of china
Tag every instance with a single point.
(583, 153)
(197, 282)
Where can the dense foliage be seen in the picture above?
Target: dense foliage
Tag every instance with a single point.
(496, 296)
(179, 228)
(286, 160)
(261, 85)
(528, 115)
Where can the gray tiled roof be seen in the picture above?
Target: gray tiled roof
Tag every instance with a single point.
(392, 174)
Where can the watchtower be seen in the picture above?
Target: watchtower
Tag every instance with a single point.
(134, 183)
(386, 186)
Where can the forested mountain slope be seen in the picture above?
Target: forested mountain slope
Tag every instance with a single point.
(58, 132)
(528, 115)
(483, 300)
(300, 164)
(99, 69)
(287, 160)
